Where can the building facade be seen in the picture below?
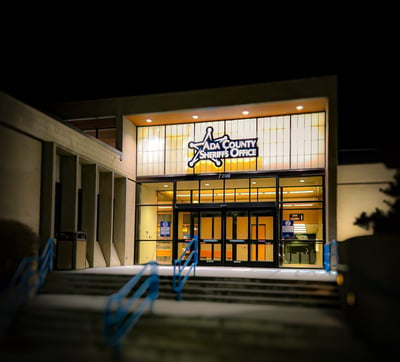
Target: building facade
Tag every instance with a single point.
(248, 171)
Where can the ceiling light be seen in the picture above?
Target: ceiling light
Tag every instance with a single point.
(148, 120)
(299, 108)
(245, 112)
(195, 117)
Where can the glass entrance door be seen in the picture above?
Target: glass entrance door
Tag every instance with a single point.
(262, 236)
(188, 228)
(237, 236)
(242, 236)
(249, 237)
(210, 245)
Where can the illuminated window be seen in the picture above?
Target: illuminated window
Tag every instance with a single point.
(211, 191)
(187, 192)
(155, 227)
(177, 152)
(263, 189)
(150, 150)
(302, 203)
(308, 140)
(241, 129)
(237, 190)
(274, 143)
(284, 143)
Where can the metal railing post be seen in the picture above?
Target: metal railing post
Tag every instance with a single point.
(178, 281)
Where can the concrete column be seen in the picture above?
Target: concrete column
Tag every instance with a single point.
(331, 171)
(120, 217)
(106, 210)
(124, 219)
(130, 222)
(69, 194)
(90, 189)
(48, 191)
(119, 132)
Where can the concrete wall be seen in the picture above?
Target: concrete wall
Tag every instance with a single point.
(37, 151)
(20, 177)
(28, 120)
(358, 191)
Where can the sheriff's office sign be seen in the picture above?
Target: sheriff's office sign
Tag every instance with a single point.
(217, 149)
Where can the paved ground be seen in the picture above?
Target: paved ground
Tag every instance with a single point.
(240, 272)
(301, 315)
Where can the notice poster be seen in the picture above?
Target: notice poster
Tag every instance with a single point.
(287, 228)
(165, 229)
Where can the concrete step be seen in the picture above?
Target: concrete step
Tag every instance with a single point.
(218, 289)
(62, 327)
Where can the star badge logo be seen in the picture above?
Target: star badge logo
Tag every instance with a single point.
(199, 147)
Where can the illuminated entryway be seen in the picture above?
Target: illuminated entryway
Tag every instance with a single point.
(230, 235)
(232, 184)
(238, 221)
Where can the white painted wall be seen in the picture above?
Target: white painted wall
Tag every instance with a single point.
(358, 191)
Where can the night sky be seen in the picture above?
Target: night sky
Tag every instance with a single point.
(87, 68)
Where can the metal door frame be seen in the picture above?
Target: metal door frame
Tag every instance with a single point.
(224, 209)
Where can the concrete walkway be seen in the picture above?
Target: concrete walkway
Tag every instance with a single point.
(238, 272)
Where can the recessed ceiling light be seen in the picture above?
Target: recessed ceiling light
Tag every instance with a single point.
(148, 120)
(195, 117)
(245, 112)
(301, 180)
(299, 108)
(165, 185)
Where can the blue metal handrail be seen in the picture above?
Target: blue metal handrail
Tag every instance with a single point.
(330, 255)
(179, 279)
(26, 281)
(120, 314)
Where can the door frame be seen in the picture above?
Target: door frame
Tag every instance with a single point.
(224, 208)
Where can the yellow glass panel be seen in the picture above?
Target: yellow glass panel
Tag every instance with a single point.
(229, 223)
(261, 252)
(147, 251)
(242, 226)
(206, 228)
(183, 225)
(219, 195)
(269, 252)
(217, 227)
(268, 227)
(206, 196)
(229, 195)
(241, 252)
(265, 252)
(183, 196)
(265, 228)
(205, 251)
(228, 251)
(217, 252)
(164, 253)
(181, 249)
(242, 195)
